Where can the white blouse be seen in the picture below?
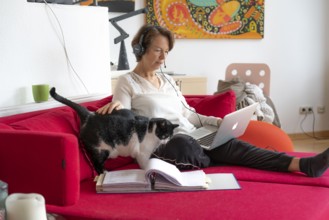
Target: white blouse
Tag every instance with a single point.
(143, 98)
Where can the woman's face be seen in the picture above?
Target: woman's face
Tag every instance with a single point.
(156, 53)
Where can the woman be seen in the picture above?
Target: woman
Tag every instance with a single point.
(153, 94)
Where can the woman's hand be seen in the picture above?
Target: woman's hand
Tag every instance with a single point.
(108, 108)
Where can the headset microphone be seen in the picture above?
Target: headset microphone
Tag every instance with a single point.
(164, 64)
(178, 95)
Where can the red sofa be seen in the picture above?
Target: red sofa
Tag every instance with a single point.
(39, 152)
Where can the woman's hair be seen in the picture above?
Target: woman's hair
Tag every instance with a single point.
(144, 37)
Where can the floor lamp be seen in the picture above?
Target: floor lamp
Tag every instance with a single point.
(123, 61)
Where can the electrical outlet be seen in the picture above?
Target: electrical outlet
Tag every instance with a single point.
(321, 109)
(305, 110)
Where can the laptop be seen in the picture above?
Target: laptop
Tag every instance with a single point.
(232, 126)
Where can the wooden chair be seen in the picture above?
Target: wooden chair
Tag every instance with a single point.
(254, 73)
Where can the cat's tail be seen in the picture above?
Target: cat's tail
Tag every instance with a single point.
(82, 111)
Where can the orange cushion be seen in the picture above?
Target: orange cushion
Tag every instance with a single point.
(266, 135)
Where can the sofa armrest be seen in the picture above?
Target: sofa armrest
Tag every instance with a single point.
(41, 162)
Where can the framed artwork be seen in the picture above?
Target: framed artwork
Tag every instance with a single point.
(213, 19)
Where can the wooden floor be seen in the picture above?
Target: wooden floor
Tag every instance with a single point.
(303, 143)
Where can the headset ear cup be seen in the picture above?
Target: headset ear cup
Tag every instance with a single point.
(138, 49)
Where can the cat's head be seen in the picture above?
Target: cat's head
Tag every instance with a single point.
(164, 128)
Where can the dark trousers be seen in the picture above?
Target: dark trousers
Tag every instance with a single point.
(183, 149)
(237, 152)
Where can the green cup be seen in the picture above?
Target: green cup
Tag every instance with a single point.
(40, 92)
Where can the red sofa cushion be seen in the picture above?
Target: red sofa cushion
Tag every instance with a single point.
(217, 105)
(62, 120)
(5, 126)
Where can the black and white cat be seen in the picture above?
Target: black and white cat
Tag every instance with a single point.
(121, 133)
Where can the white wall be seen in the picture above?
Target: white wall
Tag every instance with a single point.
(31, 50)
(294, 46)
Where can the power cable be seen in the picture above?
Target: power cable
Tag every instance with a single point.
(64, 46)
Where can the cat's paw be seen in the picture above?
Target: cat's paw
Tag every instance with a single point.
(99, 170)
(142, 161)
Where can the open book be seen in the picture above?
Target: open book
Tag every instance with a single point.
(160, 176)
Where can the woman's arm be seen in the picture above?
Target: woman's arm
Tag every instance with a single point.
(199, 120)
(190, 113)
(123, 92)
(121, 98)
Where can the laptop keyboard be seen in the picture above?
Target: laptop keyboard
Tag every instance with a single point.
(207, 140)
(200, 132)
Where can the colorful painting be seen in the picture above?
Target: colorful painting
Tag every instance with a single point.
(238, 19)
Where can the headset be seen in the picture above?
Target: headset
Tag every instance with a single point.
(138, 49)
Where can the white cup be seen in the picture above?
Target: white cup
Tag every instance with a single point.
(20, 206)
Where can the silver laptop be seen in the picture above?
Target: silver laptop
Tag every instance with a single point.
(232, 126)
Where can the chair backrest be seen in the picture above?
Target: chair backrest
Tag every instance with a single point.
(253, 73)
